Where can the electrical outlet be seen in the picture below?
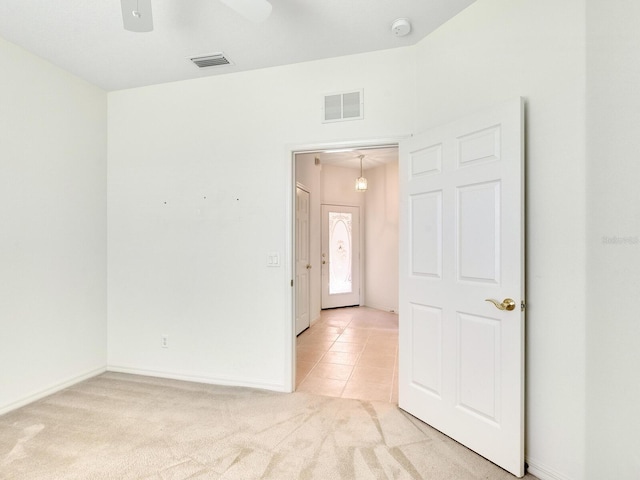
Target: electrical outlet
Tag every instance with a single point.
(164, 341)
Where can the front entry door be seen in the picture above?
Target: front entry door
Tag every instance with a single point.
(461, 357)
(340, 256)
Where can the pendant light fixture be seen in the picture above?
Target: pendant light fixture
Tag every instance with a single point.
(361, 182)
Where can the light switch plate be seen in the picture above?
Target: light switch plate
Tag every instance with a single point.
(273, 259)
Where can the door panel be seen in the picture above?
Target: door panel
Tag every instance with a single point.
(426, 347)
(426, 234)
(479, 361)
(340, 256)
(461, 360)
(478, 232)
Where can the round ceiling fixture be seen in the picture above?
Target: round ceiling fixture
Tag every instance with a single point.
(401, 27)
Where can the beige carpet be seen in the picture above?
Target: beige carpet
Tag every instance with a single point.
(118, 426)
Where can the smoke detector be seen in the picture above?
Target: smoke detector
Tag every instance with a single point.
(401, 27)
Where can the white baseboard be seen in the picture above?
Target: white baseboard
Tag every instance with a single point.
(198, 378)
(51, 390)
(543, 472)
(381, 307)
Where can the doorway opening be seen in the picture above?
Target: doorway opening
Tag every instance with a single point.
(349, 352)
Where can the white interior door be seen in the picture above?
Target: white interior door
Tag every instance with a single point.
(461, 359)
(340, 256)
(303, 261)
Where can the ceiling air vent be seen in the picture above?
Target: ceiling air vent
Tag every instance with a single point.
(338, 107)
(215, 60)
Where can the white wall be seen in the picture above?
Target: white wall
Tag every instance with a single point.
(493, 51)
(613, 233)
(338, 187)
(381, 237)
(52, 228)
(195, 268)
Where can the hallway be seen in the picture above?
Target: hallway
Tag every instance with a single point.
(351, 353)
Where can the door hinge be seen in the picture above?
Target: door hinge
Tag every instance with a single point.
(522, 306)
(292, 282)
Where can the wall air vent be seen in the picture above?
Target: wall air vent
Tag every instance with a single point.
(338, 107)
(214, 60)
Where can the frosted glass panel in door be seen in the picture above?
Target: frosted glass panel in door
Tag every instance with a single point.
(340, 253)
(340, 256)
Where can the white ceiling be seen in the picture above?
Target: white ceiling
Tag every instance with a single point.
(87, 38)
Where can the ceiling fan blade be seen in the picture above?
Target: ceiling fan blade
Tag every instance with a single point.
(136, 15)
(254, 10)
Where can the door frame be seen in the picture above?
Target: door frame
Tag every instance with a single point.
(291, 150)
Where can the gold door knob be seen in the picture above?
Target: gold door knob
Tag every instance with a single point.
(308, 267)
(507, 303)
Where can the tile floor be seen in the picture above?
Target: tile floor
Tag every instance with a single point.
(350, 352)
